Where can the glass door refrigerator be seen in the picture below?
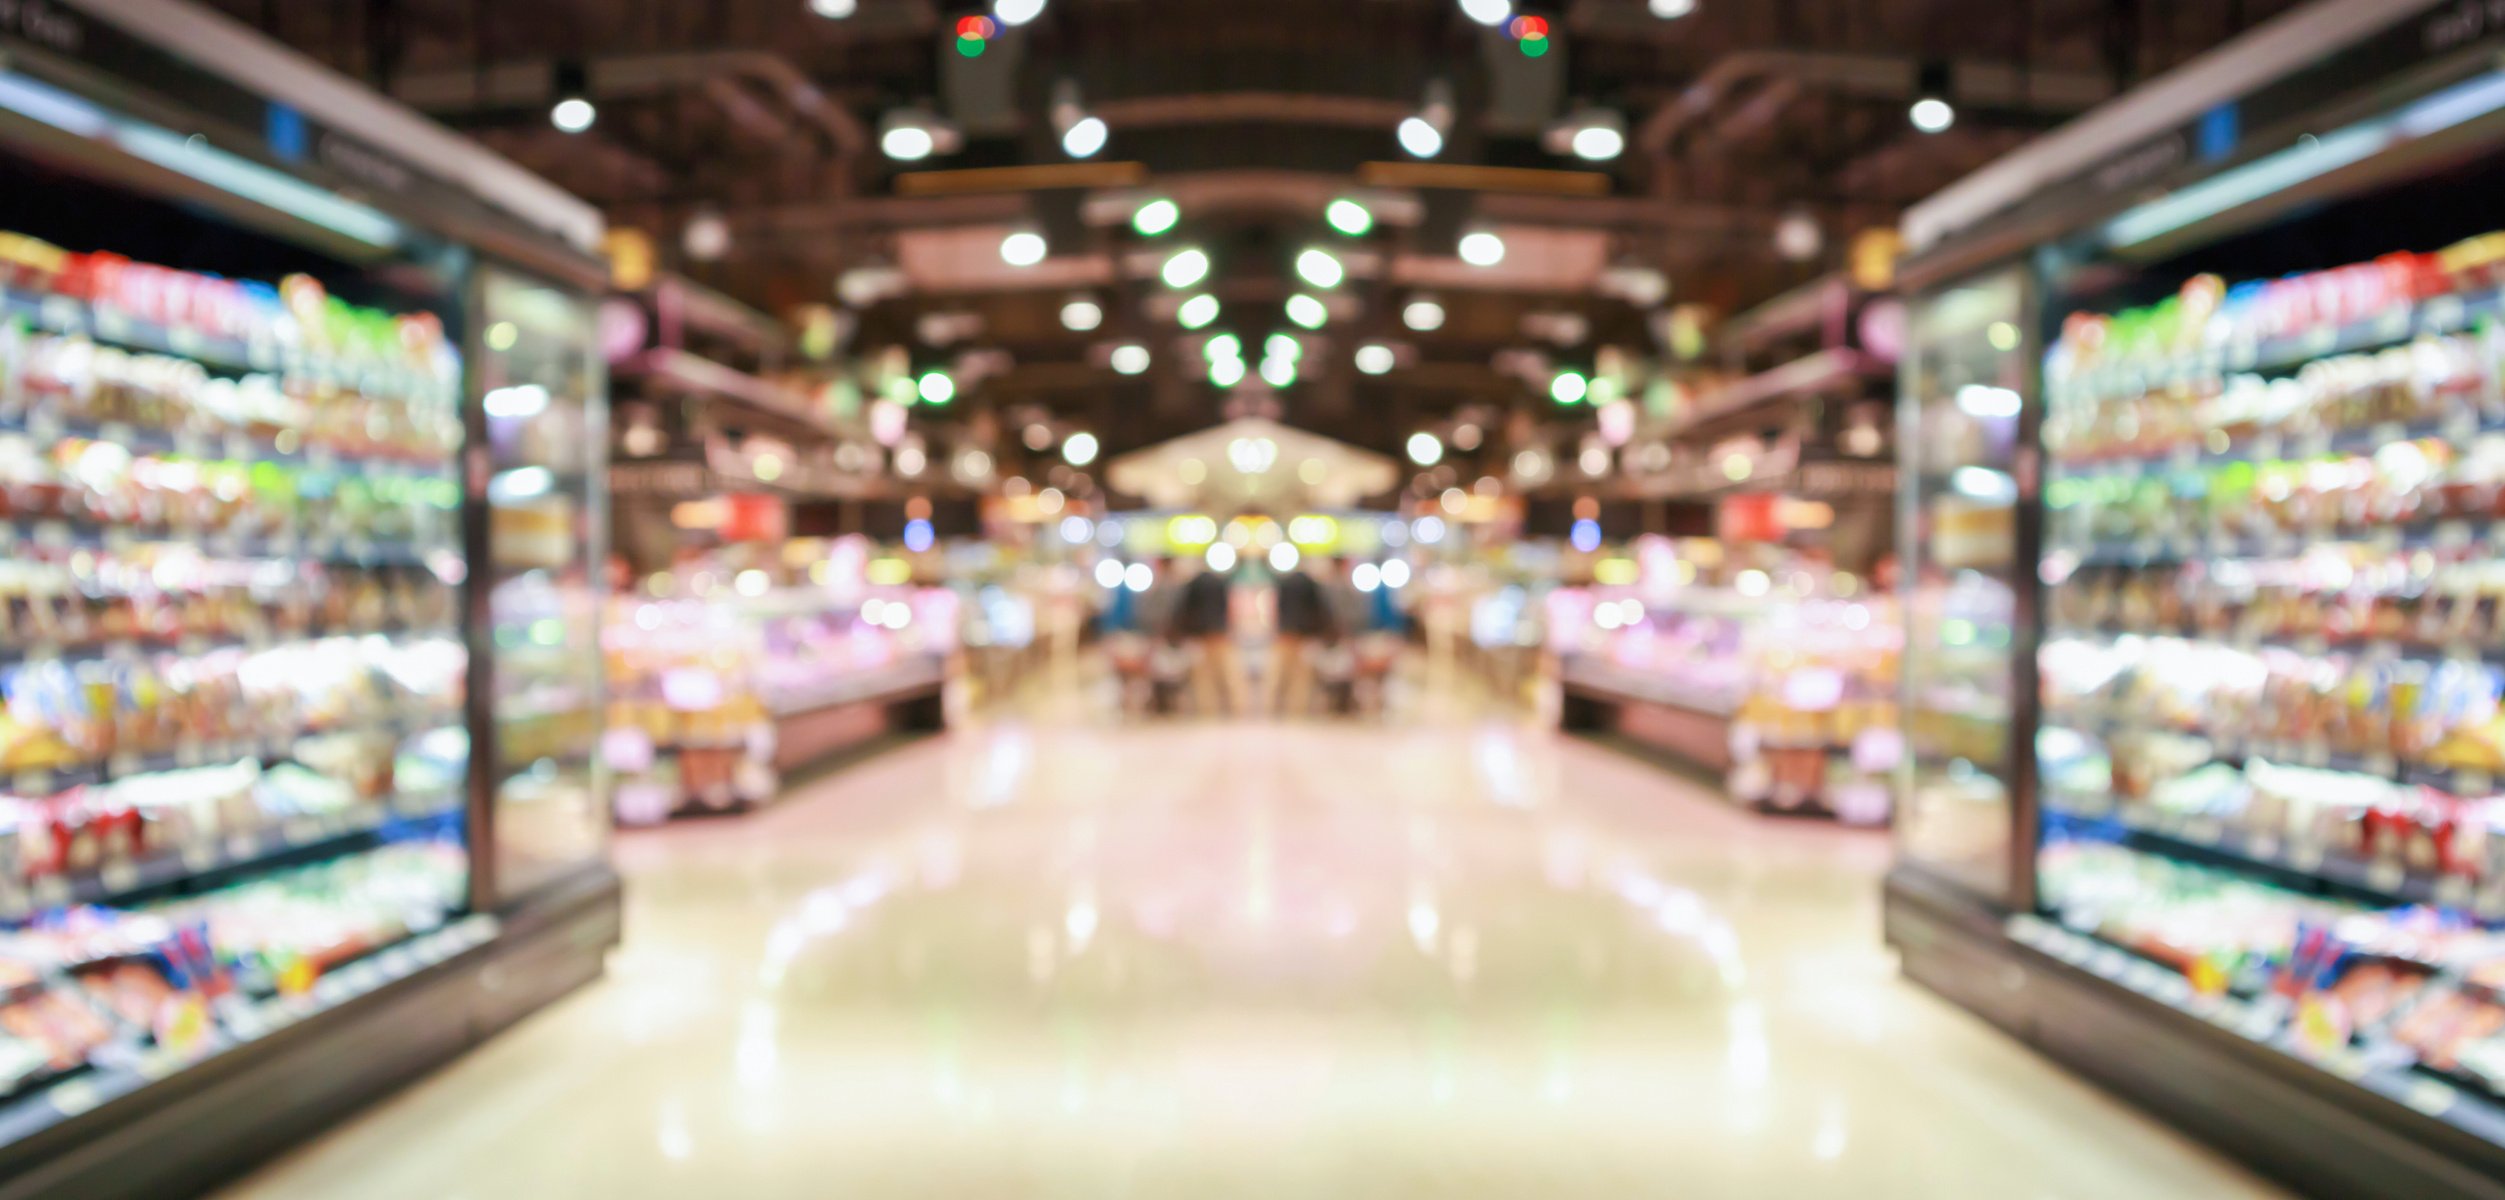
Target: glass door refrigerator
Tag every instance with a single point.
(2205, 676)
(283, 820)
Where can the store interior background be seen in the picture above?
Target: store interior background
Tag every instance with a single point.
(1385, 597)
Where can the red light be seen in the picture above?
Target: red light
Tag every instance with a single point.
(976, 27)
(1529, 28)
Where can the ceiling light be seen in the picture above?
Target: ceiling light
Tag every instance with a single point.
(1594, 460)
(1424, 450)
(1282, 345)
(1307, 311)
(1599, 143)
(1081, 314)
(1672, 10)
(1419, 138)
(935, 387)
(1278, 372)
(1224, 345)
(1375, 358)
(1079, 449)
(1487, 12)
(1038, 437)
(834, 10)
(911, 135)
(1589, 133)
(1017, 12)
(1284, 557)
(1931, 111)
(1226, 372)
(1482, 249)
(573, 114)
(1467, 436)
(1085, 137)
(1797, 237)
(1198, 311)
(1569, 387)
(1320, 268)
(1349, 217)
(707, 236)
(1156, 218)
(1186, 268)
(1220, 557)
(1130, 359)
(1423, 314)
(1025, 248)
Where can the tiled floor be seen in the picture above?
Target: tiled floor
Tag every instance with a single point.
(1451, 958)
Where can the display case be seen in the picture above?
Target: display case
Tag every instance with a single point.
(246, 877)
(756, 661)
(1780, 677)
(2233, 404)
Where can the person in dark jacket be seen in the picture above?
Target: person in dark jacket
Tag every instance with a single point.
(1305, 620)
(1204, 618)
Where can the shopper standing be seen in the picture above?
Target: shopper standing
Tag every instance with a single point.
(1204, 617)
(1304, 618)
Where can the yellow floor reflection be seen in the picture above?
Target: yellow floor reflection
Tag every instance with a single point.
(1446, 957)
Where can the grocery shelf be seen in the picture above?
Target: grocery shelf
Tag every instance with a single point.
(2151, 549)
(2276, 447)
(2395, 325)
(891, 683)
(1617, 682)
(107, 324)
(61, 533)
(2264, 1025)
(2211, 841)
(244, 1023)
(290, 842)
(2237, 749)
(144, 440)
(133, 649)
(2374, 648)
(46, 780)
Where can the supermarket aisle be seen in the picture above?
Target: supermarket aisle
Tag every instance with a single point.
(1450, 960)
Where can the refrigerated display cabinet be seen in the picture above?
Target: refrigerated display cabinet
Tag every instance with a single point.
(296, 392)
(2205, 438)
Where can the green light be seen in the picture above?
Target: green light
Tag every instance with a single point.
(1534, 47)
(1569, 387)
(1320, 268)
(1226, 372)
(971, 47)
(1198, 311)
(1186, 268)
(1349, 217)
(1224, 345)
(1307, 311)
(935, 387)
(1278, 372)
(1281, 345)
(1156, 218)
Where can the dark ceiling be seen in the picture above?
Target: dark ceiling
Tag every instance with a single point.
(1254, 114)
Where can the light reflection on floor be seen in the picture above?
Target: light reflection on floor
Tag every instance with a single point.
(1449, 958)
